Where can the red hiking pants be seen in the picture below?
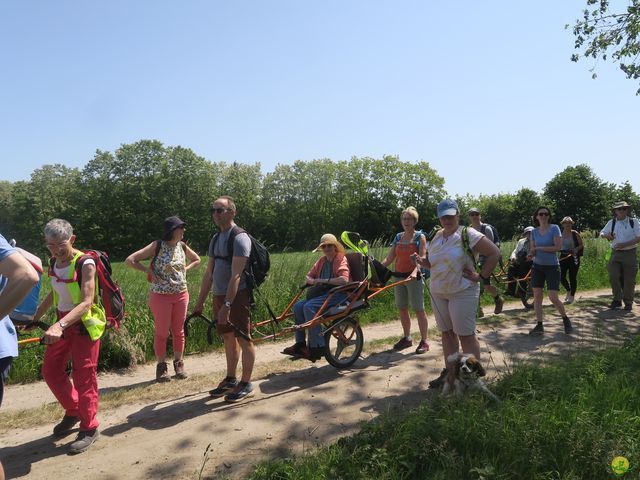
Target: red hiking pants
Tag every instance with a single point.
(80, 398)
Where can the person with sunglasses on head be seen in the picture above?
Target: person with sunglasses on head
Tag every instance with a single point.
(75, 335)
(171, 258)
(546, 242)
(475, 219)
(455, 290)
(624, 234)
(404, 245)
(224, 279)
(329, 271)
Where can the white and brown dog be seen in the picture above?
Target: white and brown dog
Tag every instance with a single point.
(464, 375)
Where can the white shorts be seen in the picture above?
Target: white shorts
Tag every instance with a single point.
(457, 311)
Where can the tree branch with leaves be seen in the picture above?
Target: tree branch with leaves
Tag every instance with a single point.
(601, 34)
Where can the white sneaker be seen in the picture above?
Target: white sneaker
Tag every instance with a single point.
(569, 299)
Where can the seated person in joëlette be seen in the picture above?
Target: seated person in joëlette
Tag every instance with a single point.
(331, 270)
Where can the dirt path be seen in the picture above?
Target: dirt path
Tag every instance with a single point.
(292, 411)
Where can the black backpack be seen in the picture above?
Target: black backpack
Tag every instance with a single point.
(613, 224)
(258, 265)
(496, 237)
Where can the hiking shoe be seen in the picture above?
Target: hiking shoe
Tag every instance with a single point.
(297, 349)
(568, 328)
(438, 382)
(66, 424)
(224, 387)
(569, 299)
(162, 373)
(84, 440)
(537, 330)
(178, 366)
(499, 304)
(402, 344)
(423, 346)
(480, 312)
(615, 304)
(315, 353)
(628, 306)
(242, 391)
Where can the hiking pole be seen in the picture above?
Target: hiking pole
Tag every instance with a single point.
(27, 341)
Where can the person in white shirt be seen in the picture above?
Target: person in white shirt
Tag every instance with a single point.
(455, 290)
(624, 234)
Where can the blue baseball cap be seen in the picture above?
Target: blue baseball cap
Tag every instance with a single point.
(447, 207)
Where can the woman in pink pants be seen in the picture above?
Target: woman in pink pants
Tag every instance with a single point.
(168, 297)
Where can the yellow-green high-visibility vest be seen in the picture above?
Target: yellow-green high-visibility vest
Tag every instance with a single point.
(95, 319)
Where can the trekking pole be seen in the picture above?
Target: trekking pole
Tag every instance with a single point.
(27, 341)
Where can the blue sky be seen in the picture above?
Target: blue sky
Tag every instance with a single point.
(483, 91)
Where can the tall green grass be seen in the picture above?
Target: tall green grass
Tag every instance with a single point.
(566, 420)
(134, 342)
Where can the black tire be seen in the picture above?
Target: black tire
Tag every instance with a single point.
(211, 326)
(343, 343)
(526, 296)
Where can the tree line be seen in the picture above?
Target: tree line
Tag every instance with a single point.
(118, 201)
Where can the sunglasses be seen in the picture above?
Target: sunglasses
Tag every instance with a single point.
(543, 214)
(220, 210)
(327, 245)
(620, 209)
(473, 214)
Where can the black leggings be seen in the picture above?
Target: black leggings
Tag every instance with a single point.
(571, 265)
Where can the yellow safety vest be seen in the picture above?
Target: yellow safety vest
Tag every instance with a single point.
(95, 319)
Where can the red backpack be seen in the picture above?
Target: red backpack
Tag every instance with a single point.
(108, 289)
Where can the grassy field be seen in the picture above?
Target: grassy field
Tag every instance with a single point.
(134, 342)
(566, 420)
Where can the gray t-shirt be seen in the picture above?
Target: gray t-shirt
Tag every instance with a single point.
(222, 267)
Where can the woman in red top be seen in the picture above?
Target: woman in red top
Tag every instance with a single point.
(407, 243)
(331, 270)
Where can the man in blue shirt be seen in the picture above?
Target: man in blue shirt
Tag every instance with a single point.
(17, 278)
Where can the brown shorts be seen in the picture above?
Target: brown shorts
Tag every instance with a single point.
(240, 314)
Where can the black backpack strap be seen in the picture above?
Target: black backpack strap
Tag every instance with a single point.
(235, 230)
(613, 225)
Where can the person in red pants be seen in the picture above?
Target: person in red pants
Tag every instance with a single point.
(68, 338)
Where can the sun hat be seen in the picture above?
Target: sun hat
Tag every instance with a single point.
(529, 230)
(447, 207)
(567, 220)
(329, 239)
(620, 205)
(473, 210)
(170, 224)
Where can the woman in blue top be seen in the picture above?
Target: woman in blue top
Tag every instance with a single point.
(546, 241)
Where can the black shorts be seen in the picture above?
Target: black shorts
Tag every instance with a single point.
(548, 273)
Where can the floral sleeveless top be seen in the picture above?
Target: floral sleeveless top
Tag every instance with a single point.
(169, 270)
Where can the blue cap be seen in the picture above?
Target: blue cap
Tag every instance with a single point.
(447, 207)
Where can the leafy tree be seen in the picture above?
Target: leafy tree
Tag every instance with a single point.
(6, 207)
(601, 33)
(524, 204)
(580, 194)
(52, 192)
(625, 192)
(139, 186)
